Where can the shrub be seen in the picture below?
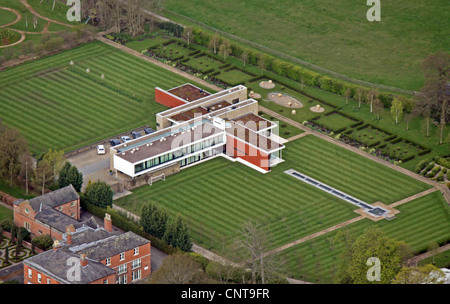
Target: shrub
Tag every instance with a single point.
(43, 242)
(7, 224)
(99, 193)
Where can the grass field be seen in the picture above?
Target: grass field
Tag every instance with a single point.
(441, 260)
(55, 107)
(336, 34)
(218, 196)
(336, 121)
(419, 222)
(6, 16)
(5, 213)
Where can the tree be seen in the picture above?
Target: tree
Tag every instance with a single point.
(177, 234)
(26, 161)
(397, 109)
(69, 175)
(56, 160)
(179, 268)
(12, 146)
(359, 92)
(378, 107)
(371, 96)
(427, 274)
(43, 175)
(154, 220)
(436, 68)
(253, 244)
(188, 34)
(244, 57)
(373, 244)
(433, 249)
(262, 62)
(99, 193)
(347, 93)
(214, 42)
(225, 49)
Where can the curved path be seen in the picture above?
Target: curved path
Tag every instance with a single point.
(19, 16)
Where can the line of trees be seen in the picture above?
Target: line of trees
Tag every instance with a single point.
(122, 16)
(175, 232)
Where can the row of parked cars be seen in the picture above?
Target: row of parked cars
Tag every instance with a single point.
(134, 135)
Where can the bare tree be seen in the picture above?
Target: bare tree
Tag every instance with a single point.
(225, 49)
(436, 90)
(371, 96)
(178, 269)
(26, 161)
(254, 245)
(214, 42)
(188, 34)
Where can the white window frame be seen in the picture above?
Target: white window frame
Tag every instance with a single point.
(49, 281)
(136, 264)
(30, 273)
(108, 261)
(136, 251)
(122, 269)
(122, 256)
(136, 275)
(39, 278)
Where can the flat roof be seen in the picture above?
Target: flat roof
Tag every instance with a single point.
(200, 102)
(146, 149)
(189, 92)
(189, 114)
(254, 122)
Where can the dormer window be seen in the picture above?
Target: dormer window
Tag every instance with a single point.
(122, 256)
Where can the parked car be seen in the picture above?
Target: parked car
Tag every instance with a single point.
(148, 130)
(101, 149)
(136, 134)
(114, 142)
(125, 138)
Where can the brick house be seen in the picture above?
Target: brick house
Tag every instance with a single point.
(91, 256)
(51, 213)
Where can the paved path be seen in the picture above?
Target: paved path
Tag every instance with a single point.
(414, 260)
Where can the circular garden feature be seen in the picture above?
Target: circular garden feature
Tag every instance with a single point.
(8, 37)
(285, 100)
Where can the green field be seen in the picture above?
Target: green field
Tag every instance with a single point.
(335, 34)
(217, 197)
(6, 16)
(56, 105)
(336, 121)
(203, 63)
(423, 220)
(5, 213)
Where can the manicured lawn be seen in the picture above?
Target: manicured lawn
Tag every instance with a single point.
(218, 196)
(45, 8)
(54, 107)
(5, 213)
(203, 63)
(419, 222)
(233, 77)
(6, 16)
(145, 44)
(441, 260)
(351, 173)
(172, 51)
(336, 121)
(335, 34)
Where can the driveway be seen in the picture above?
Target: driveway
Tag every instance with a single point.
(93, 166)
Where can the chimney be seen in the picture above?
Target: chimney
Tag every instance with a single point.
(56, 245)
(69, 237)
(108, 222)
(83, 260)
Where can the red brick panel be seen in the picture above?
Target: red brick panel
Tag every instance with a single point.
(238, 148)
(167, 99)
